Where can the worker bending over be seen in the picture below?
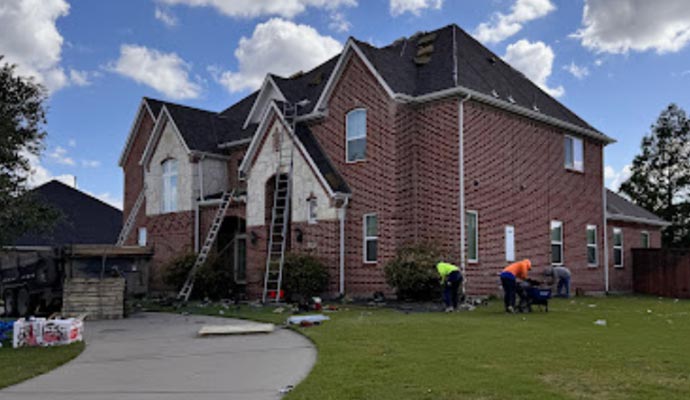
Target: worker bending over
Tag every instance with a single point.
(560, 275)
(509, 278)
(451, 278)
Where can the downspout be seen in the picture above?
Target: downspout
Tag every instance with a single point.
(606, 229)
(461, 174)
(200, 173)
(341, 217)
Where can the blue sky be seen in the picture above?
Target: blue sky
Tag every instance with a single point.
(615, 69)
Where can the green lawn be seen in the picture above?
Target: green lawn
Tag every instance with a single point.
(17, 365)
(370, 353)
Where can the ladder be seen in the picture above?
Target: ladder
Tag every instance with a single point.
(131, 218)
(280, 217)
(201, 258)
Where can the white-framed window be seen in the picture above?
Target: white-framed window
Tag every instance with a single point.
(510, 243)
(371, 238)
(312, 210)
(574, 154)
(592, 257)
(169, 185)
(556, 243)
(644, 236)
(472, 232)
(141, 237)
(356, 135)
(617, 247)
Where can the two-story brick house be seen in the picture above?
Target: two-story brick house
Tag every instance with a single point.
(432, 138)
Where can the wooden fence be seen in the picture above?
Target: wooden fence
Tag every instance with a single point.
(662, 272)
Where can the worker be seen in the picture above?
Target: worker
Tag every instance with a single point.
(560, 275)
(451, 278)
(509, 278)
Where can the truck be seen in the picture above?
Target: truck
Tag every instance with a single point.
(31, 280)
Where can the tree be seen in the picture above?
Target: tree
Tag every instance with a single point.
(660, 179)
(22, 118)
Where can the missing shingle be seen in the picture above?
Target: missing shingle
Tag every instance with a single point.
(535, 107)
(492, 60)
(297, 74)
(316, 80)
(422, 60)
(426, 39)
(511, 99)
(425, 50)
(494, 93)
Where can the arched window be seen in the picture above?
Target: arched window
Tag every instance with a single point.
(356, 135)
(169, 185)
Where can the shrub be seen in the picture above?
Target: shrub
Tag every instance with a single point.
(214, 280)
(304, 276)
(412, 273)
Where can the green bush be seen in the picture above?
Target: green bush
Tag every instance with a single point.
(214, 280)
(304, 276)
(412, 273)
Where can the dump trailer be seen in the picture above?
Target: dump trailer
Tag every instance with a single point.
(30, 280)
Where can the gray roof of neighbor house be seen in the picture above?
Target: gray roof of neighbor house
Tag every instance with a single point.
(619, 208)
(84, 219)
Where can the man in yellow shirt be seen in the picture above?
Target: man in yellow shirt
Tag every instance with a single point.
(451, 278)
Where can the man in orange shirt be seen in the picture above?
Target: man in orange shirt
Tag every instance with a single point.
(509, 278)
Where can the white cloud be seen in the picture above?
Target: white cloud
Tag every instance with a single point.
(82, 78)
(258, 8)
(580, 72)
(165, 72)
(503, 26)
(30, 39)
(166, 17)
(598, 62)
(618, 26)
(415, 7)
(59, 155)
(535, 60)
(339, 23)
(90, 163)
(277, 46)
(614, 178)
(39, 174)
(72, 143)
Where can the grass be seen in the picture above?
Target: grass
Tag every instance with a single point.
(375, 353)
(17, 365)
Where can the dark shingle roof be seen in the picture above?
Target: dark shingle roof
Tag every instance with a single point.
(308, 85)
(154, 105)
(321, 160)
(84, 220)
(619, 207)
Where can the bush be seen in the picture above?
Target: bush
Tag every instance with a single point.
(412, 273)
(214, 280)
(304, 277)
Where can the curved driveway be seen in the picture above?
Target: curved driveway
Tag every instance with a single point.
(158, 356)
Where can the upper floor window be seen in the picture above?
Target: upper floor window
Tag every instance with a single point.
(169, 185)
(574, 154)
(645, 239)
(141, 239)
(312, 210)
(556, 243)
(356, 135)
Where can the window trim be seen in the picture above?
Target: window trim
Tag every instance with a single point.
(594, 245)
(560, 243)
(621, 247)
(164, 177)
(476, 237)
(347, 140)
(312, 201)
(368, 238)
(572, 147)
(649, 239)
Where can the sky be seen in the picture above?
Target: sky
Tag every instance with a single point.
(615, 63)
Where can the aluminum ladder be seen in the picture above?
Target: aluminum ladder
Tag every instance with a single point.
(280, 217)
(131, 218)
(201, 258)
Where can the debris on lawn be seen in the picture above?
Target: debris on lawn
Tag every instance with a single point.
(286, 389)
(5, 328)
(307, 320)
(466, 307)
(43, 332)
(221, 312)
(649, 311)
(600, 322)
(592, 305)
(239, 329)
(278, 310)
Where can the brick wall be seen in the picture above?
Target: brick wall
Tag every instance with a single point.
(621, 278)
(171, 235)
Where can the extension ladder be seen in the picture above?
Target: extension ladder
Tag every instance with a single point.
(201, 258)
(131, 218)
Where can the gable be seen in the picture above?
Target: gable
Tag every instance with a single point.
(267, 95)
(144, 116)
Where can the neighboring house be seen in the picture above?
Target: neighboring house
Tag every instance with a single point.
(83, 219)
(432, 138)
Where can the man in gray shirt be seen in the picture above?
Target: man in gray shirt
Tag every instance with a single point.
(560, 275)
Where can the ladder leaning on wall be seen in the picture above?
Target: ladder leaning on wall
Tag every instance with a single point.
(202, 256)
(131, 218)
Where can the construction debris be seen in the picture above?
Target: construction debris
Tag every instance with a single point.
(240, 329)
(43, 332)
(600, 322)
(307, 319)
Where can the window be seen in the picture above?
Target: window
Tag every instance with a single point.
(169, 185)
(240, 258)
(645, 239)
(617, 247)
(510, 243)
(472, 232)
(556, 242)
(356, 127)
(574, 154)
(141, 239)
(312, 210)
(591, 245)
(371, 238)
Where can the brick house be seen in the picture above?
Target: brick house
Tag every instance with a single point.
(432, 138)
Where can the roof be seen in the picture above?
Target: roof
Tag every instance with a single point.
(85, 219)
(321, 160)
(618, 208)
(306, 86)
(154, 105)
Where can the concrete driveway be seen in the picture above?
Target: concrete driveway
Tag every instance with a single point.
(158, 356)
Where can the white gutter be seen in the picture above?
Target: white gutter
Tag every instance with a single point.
(196, 227)
(200, 172)
(606, 229)
(461, 177)
(636, 220)
(341, 217)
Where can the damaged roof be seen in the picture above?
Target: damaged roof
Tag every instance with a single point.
(321, 160)
(618, 208)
